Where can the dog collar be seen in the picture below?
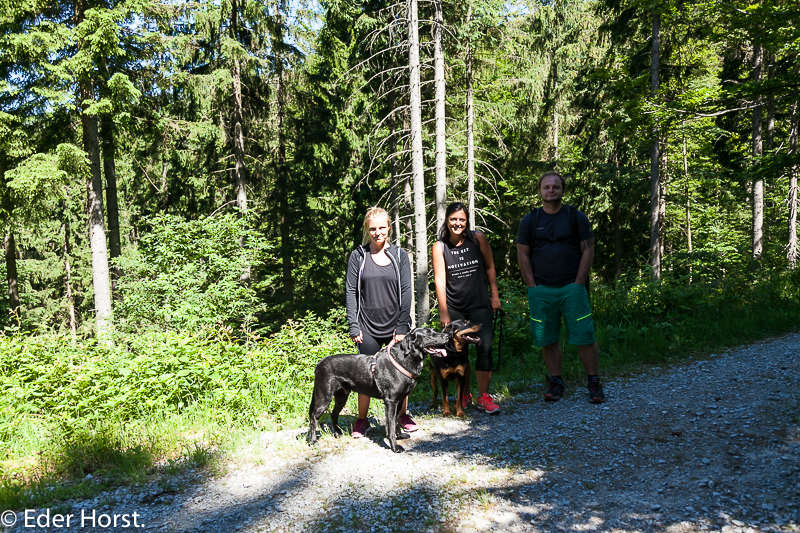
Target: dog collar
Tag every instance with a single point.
(402, 370)
(395, 363)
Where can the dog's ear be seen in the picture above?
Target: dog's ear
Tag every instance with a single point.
(449, 329)
(414, 335)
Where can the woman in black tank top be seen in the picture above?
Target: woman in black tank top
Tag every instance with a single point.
(466, 287)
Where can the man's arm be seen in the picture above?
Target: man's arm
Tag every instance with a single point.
(587, 256)
(524, 260)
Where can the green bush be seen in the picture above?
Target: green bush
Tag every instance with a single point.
(261, 382)
(185, 274)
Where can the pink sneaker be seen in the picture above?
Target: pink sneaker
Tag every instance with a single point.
(360, 428)
(466, 399)
(408, 423)
(485, 402)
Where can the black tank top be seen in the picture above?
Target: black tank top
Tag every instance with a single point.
(466, 284)
(380, 307)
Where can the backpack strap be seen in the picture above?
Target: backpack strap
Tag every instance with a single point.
(534, 223)
(573, 224)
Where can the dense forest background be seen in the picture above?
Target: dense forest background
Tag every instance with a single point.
(183, 164)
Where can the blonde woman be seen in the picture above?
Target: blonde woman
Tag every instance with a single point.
(378, 295)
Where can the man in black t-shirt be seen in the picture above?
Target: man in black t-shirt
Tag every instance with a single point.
(555, 258)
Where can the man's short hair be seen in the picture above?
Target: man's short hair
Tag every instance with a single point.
(553, 173)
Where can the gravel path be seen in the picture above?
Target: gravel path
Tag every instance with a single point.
(711, 445)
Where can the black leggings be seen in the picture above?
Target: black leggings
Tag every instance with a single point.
(482, 316)
(370, 345)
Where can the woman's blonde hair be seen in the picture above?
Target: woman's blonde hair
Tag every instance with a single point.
(372, 213)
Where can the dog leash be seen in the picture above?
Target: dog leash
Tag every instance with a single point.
(498, 317)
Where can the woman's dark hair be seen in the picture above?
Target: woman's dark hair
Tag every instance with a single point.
(444, 233)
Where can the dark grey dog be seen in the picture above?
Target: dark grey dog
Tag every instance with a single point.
(390, 375)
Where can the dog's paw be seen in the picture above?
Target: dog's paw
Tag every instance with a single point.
(460, 414)
(398, 449)
(447, 413)
(403, 435)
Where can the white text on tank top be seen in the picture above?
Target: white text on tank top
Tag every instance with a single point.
(464, 268)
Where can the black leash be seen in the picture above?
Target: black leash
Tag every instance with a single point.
(498, 317)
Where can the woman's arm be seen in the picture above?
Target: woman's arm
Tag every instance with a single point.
(440, 279)
(488, 264)
(351, 295)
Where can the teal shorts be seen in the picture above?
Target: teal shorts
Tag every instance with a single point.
(548, 304)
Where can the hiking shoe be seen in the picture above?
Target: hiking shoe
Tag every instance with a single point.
(596, 394)
(485, 402)
(554, 390)
(466, 399)
(408, 423)
(360, 428)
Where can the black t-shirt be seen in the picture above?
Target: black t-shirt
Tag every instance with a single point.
(555, 254)
(466, 284)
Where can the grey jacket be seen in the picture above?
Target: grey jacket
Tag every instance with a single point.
(355, 267)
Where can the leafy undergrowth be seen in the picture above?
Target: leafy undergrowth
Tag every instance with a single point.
(155, 400)
(164, 401)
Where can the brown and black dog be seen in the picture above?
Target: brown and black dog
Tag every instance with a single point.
(456, 365)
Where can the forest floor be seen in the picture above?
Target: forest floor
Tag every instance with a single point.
(706, 445)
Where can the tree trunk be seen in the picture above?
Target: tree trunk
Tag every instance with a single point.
(791, 252)
(394, 199)
(238, 135)
(470, 129)
(688, 207)
(94, 193)
(73, 326)
(617, 221)
(284, 226)
(238, 140)
(10, 248)
(758, 183)
(555, 111)
(655, 186)
(440, 91)
(112, 204)
(282, 176)
(418, 168)
(408, 196)
(617, 243)
(97, 232)
(408, 203)
(770, 106)
(662, 199)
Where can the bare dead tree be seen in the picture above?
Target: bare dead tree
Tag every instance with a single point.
(758, 183)
(791, 252)
(655, 188)
(470, 104)
(418, 167)
(440, 91)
